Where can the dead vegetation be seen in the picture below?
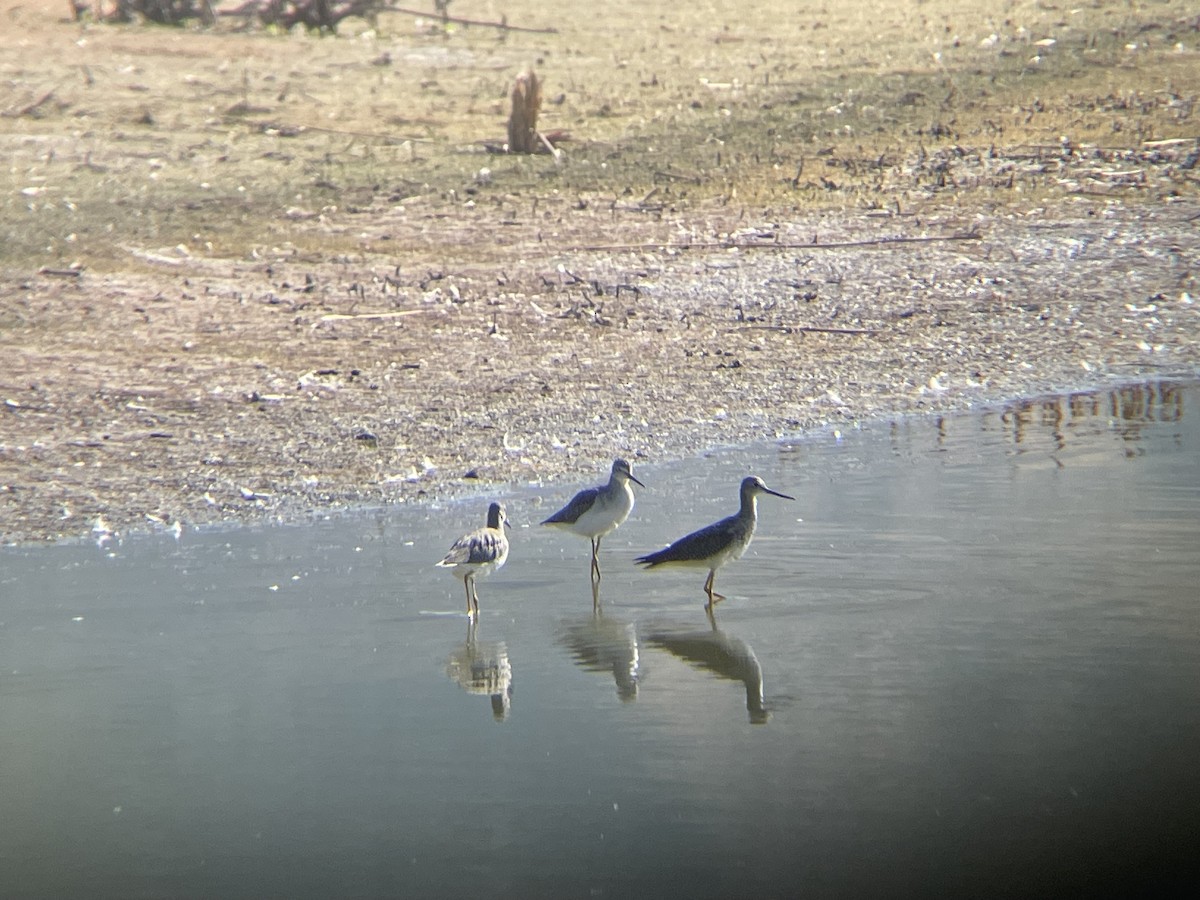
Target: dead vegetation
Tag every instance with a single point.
(256, 274)
(320, 15)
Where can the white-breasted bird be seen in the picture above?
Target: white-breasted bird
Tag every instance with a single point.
(595, 512)
(479, 553)
(714, 545)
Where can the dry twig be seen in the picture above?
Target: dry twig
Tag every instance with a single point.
(502, 24)
(778, 245)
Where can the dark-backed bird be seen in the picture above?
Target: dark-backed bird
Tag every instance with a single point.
(595, 512)
(714, 545)
(479, 553)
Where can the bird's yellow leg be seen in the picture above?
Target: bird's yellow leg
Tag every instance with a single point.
(713, 597)
(596, 559)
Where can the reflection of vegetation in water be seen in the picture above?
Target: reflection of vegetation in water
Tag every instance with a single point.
(1148, 403)
(1048, 424)
(1128, 409)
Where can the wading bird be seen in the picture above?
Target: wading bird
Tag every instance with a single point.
(595, 512)
(714, 545)
(478, 553)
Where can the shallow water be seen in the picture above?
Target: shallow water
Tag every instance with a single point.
(966, 659)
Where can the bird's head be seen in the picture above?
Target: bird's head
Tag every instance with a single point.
(623, 471)
(752, 486)
(498, 517)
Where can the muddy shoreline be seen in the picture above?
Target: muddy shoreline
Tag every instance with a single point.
(257, 276)
(256, 393)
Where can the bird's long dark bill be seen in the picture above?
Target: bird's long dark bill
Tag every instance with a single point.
(634, 480)
(777, 494)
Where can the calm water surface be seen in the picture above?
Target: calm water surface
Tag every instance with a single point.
(965, 661)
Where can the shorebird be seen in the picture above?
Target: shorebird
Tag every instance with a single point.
(478, 553)
(714, 545)
(595, 512)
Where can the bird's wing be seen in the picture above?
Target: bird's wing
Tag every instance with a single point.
(579, 504)
(478, 547)
(702, 544)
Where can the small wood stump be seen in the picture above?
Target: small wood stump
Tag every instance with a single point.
(522, 122)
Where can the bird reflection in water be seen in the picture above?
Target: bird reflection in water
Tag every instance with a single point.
(482, 667)
(712, 650)
(603, 644)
